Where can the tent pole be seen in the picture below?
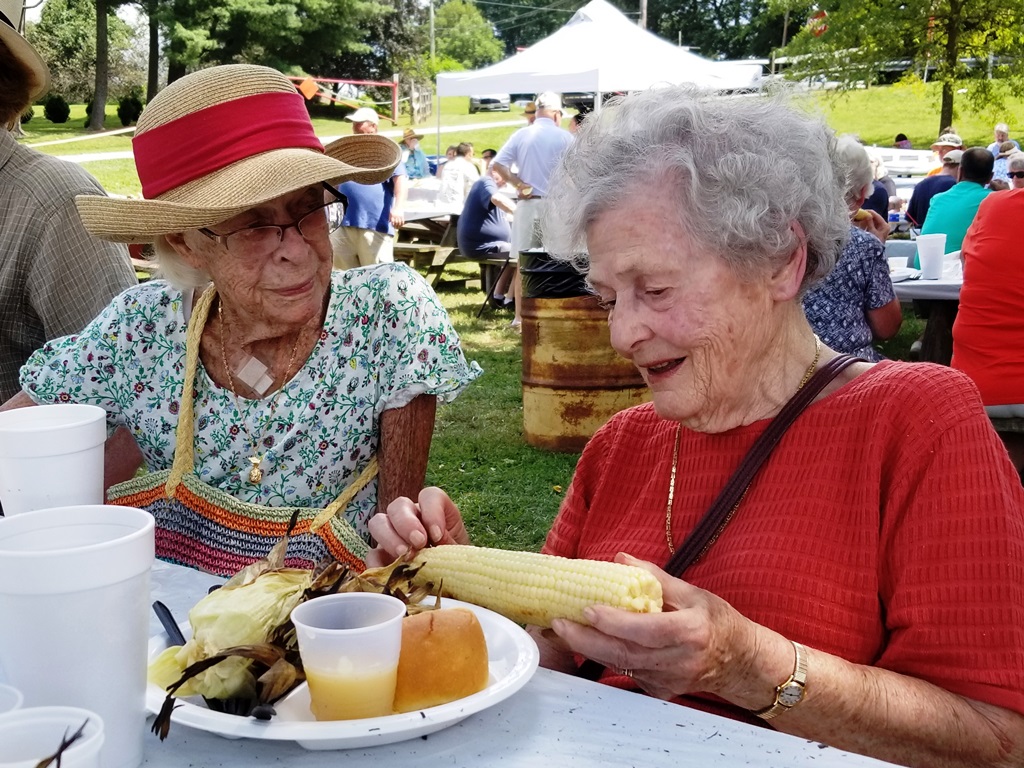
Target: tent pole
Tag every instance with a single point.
(437, 91)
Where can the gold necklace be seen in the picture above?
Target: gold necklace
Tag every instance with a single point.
(255, 473)
(675, 465)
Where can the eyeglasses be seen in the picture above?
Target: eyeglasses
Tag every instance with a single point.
(256, 242)
(1015, 174)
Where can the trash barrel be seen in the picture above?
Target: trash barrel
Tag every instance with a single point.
(573, 381)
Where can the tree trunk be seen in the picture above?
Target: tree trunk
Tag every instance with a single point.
(153, 68)
(99, 97)
(946, 113)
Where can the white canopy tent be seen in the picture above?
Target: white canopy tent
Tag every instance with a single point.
(598, 50)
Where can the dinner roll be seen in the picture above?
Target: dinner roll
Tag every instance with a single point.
(444, 658)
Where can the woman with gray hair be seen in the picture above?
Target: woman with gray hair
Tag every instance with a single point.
(855, 303)
(1015, 170)
(859, 580)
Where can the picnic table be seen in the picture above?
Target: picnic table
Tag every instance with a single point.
(555, 719)
(938, 301)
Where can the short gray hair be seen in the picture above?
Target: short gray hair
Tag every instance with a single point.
(856, 166)
(173, 268)
(1015, 162)
(741, 169)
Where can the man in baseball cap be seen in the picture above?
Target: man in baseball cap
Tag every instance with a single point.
(947, 142)
(54, 276)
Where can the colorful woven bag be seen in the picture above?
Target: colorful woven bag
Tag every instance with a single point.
(203, 527)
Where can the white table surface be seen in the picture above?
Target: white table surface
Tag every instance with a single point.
(946, 288)
(555, 720)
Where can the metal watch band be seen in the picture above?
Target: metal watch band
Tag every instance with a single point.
(797, 681)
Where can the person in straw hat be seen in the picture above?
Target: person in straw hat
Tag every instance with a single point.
(54, 275)
(279, 380)
(415, 160)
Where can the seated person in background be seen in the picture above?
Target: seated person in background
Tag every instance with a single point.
(930, 186)
(1000, 166)
(416, 164)
(1001, 134)
(902, 142)
(946, 143)
(449, 154)
(1016, 170)
(484, 231)
(878, 199)
(952, 212)
(988, 334)
(488, 155)
(855, 303)
(457, 178)
(884, 535)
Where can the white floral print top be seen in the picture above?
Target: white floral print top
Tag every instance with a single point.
(386, 339)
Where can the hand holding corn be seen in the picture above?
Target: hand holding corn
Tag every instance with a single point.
(530, 588)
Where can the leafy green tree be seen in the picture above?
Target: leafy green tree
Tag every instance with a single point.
(293, 35)
(65, 37)
(521, 23)
(730, 29)
(950, 40)
(462, 33)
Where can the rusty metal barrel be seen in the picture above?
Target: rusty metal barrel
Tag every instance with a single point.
(573, 381)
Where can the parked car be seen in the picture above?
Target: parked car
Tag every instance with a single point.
(493, 102)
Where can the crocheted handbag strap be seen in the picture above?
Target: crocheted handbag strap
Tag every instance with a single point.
(184, 458)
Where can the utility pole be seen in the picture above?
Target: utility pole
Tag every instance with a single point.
(643, 14)
(431, 30)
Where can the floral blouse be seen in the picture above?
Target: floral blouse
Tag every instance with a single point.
(386, 340)
(837, 307)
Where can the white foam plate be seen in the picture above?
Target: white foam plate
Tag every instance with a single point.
(902, 273)
(512, 657)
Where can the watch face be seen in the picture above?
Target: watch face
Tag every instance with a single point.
(791, 694)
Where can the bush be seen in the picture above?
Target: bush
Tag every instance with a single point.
(27, 115)
(56, 109)
(128, 109)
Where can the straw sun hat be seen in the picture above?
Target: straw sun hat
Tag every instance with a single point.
(221, 141)
(10, 18)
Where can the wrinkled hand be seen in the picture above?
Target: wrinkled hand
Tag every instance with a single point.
(408, 526)
(699, 642)
(873, 224)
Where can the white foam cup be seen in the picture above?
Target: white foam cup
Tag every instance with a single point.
(10, 699)
(74, 602)
(30, 735)
(930, 250)
(51, 456)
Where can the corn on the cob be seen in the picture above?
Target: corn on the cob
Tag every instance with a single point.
(535, 589)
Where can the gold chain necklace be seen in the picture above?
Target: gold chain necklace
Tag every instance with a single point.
(675, 465)
(255, 473)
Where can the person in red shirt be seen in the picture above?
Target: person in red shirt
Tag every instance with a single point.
(867, 588)
(988, 334)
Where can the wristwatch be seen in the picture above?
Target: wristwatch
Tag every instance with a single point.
(791, 692)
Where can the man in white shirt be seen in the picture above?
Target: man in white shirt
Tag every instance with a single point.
(535, 151)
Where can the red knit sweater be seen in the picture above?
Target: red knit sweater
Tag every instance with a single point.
(887, 528)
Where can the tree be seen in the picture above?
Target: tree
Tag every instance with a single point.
(730, 29)
(65, 37)
(521, 23)
(950, 41)
(292, 35)
(463, 34)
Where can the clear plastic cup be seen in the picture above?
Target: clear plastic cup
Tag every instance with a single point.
(51, 456)
(74, 615)
(349, 644)
(31, 735)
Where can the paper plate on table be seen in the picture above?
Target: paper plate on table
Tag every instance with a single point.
(512, 657)
(899, 274)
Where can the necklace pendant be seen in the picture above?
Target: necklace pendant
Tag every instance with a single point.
(255, 474)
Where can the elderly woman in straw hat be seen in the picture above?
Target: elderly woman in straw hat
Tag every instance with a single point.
(842, 542)
(266, 384)
(415, 160)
